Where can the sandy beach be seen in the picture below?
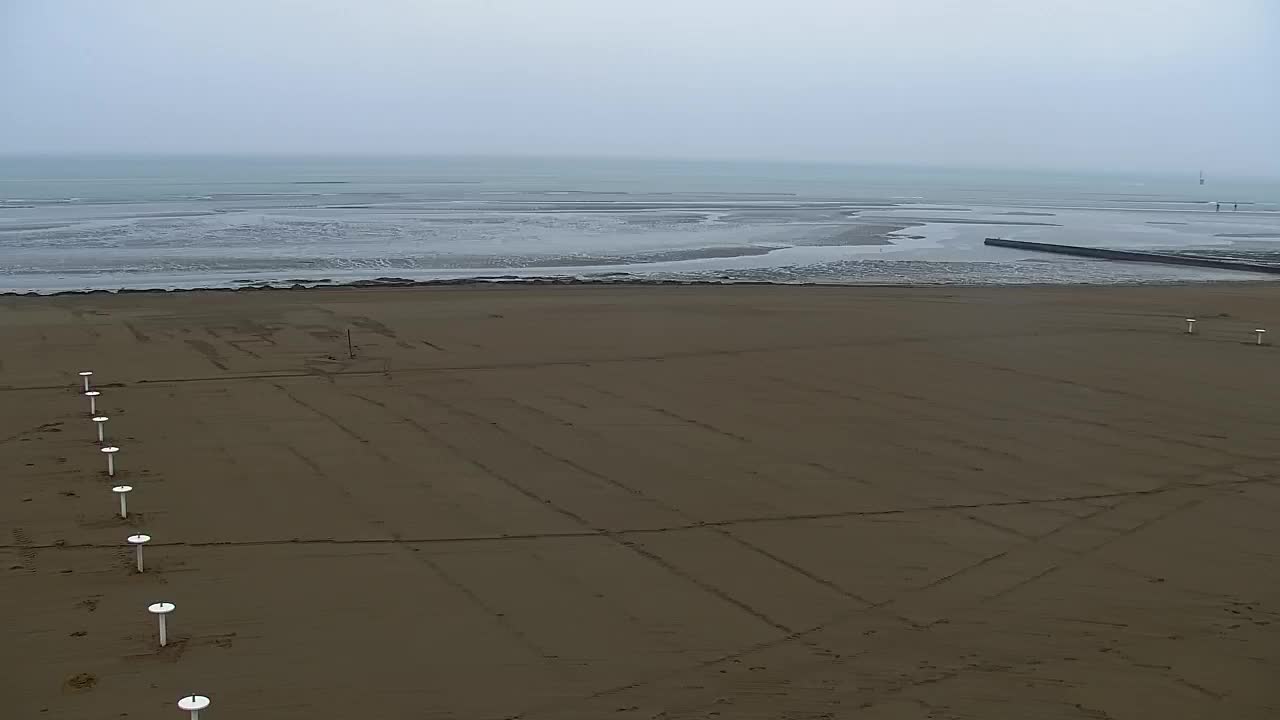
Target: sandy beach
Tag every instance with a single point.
(646, 502)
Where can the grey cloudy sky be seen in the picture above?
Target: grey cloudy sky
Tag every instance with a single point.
(1109, 84)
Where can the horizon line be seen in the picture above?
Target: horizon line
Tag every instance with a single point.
(387, 154)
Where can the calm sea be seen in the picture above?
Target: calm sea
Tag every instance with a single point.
(74, 223)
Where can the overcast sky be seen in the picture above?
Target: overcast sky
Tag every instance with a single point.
(1141, 85)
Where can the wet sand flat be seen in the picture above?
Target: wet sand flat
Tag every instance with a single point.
(646, 502)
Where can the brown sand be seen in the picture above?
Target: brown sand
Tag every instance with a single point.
(642, 502)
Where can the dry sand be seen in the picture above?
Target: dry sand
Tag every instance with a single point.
(647, 502)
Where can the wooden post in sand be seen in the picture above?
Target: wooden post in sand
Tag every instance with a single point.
(110, 452)
(122, 491)
(137, 541)
(351, 350)
(160, 610)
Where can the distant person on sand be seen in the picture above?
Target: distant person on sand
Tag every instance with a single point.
(1235, 206)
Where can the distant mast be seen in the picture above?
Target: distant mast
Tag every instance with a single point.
(1201, 177)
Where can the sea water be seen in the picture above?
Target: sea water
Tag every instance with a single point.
(115, 222)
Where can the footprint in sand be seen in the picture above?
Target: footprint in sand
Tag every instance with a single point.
(82, 681)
